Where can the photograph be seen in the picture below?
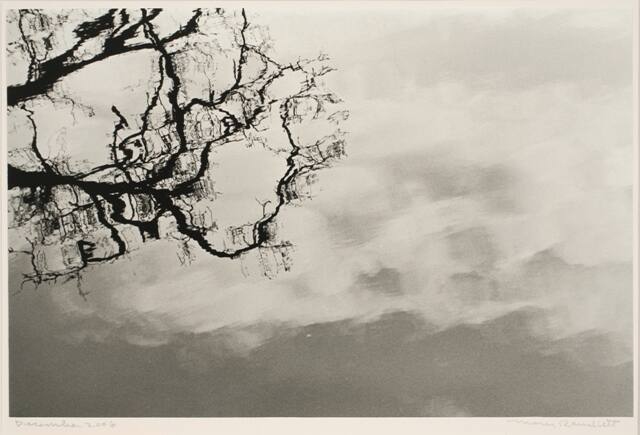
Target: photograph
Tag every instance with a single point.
(320, 209)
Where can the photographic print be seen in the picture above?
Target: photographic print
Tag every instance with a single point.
(296, 209)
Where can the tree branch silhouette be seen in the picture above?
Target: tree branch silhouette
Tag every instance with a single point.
(160, 164)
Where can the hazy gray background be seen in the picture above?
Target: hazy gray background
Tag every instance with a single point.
(471, 256)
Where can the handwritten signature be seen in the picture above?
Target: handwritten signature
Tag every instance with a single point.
(564, 423)
(66, 424)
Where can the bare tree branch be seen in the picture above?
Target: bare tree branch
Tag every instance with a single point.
(161, 164)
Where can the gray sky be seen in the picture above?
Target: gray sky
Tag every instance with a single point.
(471, 255)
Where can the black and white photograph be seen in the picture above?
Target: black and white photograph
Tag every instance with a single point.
(320, 209)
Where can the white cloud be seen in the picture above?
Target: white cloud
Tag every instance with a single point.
(561, 153)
